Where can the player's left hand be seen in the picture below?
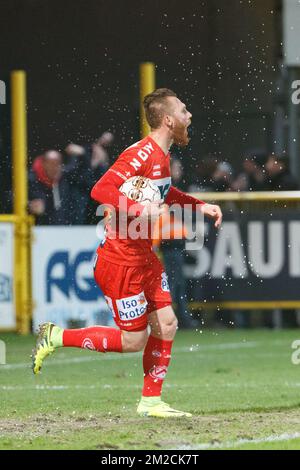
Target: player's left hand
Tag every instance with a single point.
(214, 212)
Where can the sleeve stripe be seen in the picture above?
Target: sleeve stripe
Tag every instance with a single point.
(118, 173)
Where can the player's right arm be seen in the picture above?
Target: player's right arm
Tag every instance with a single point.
(106, 190)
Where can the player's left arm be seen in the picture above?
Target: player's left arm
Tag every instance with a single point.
(210, 210)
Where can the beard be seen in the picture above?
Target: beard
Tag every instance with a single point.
(180, 135)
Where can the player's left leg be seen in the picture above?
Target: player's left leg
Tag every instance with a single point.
(95, 338)
(119, 284)
(156, 359)
(51, 337)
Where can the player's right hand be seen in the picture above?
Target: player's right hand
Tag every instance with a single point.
(152, 210)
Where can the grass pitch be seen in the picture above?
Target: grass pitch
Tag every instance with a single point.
(241, 386)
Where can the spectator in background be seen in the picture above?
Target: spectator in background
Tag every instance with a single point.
(99, 162)
(177, 173)
(253, 178)
(99, 152)
(222, 177)
(202, 179)
(169, 236)
(78, 172)
(84, 165)
(49, 190)
(211, 175)
(279, 177)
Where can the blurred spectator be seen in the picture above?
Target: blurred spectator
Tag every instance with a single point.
(222, 177)
(211, 175)
(169, 236)
(279, 177)
(177, 173)
(77, 170)
(49, 190)
(99, 163)
(84, 165)
(202, 179)
(253, 178)
(99, 151)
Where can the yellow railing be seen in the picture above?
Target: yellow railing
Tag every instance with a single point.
(250, 196)
(147, 85)
(21, 220)
(22, 269)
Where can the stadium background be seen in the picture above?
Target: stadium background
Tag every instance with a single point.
(82, 64)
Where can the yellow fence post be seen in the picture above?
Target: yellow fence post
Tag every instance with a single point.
(22, 286)
(147, 85)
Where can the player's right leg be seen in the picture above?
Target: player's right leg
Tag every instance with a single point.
(157, 354)
(156, 359)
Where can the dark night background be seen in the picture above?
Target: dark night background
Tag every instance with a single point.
(82, 60)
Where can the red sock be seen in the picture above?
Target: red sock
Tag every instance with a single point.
(95, 338)
(157, 355)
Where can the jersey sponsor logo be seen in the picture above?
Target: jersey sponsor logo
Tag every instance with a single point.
(143, 155)
(164, 282)
(87, 343)
(163, 185)
(132, 307)
(156, 173)
(158, 372)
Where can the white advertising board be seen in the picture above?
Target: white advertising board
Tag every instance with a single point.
(7, 305)
(64, 290)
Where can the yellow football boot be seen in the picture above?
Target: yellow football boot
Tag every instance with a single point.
(155, 407)
(49, 338)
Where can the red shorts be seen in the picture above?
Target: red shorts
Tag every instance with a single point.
(132, 292)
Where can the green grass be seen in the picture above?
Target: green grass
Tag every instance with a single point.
(241, 387)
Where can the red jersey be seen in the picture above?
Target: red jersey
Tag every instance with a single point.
(144, 158)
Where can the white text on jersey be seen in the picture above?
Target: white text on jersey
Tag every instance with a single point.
(143, 154)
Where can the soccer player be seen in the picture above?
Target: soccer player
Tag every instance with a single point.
(128, 271)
